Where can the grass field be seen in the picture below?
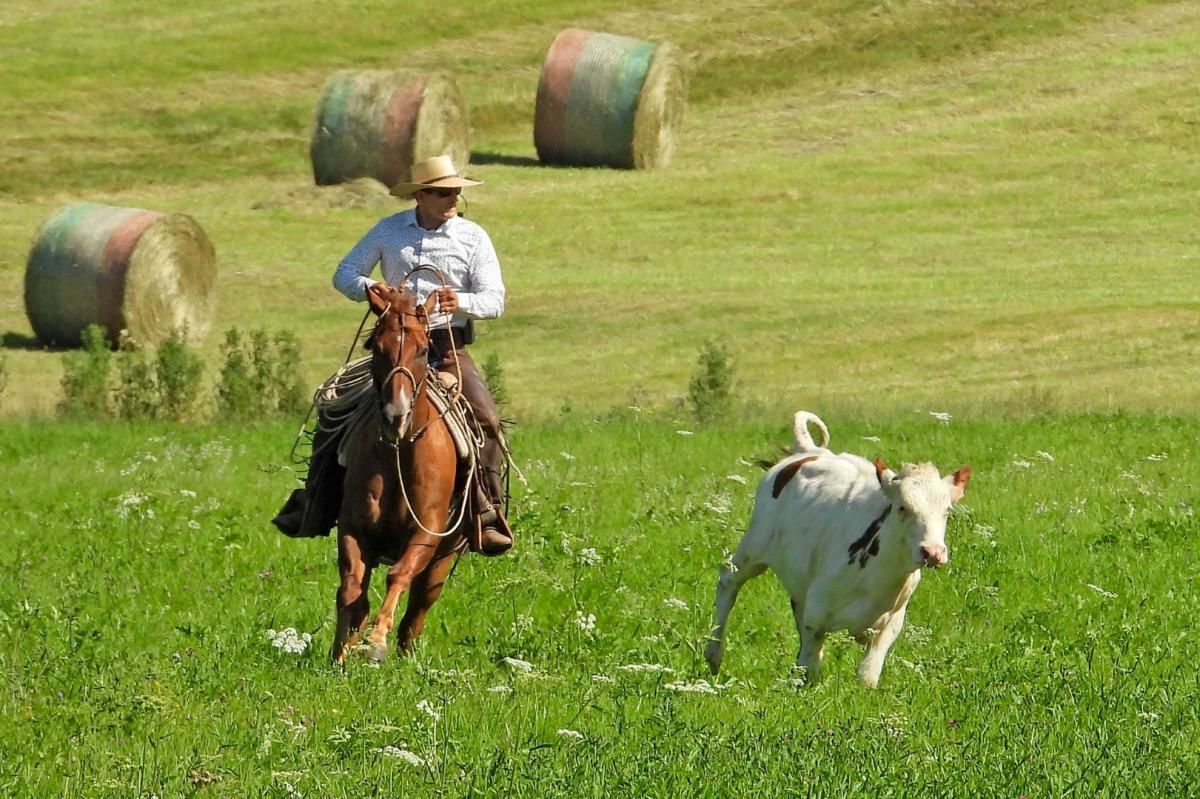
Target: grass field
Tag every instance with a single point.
(884, 210)
(1052, 657)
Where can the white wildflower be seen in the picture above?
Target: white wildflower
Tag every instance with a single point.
(412, 758)
(426, 707)
(601, 678)
(566, 456)
(1101, 591)
(289, 640)
(719, 505)
(517, 664)
(653, 639)
(185, 492)
(586, 623)
(1021, 463)
(500, 689)
(193, 524)
(1157, 456)
(872, 439)
(694, 687)
(578, 736)
(684, 433)
(588, 556)
(1046, 456)
(646, 667)
(677, 604)
(737, 478)
(941, 416)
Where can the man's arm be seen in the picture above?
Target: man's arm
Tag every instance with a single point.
(352, 276)
(485, 300)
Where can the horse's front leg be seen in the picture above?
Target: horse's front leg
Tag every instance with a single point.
(352, 602)
(425, 591)
(401, 575)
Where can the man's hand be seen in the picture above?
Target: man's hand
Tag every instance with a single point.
(447, 300)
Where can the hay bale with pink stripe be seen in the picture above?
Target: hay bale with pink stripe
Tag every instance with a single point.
(377, 123)
(606, 100)
(130, 269)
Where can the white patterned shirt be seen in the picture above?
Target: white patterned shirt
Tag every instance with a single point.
(458, 247)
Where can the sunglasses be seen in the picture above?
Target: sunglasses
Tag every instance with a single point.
(443, 193)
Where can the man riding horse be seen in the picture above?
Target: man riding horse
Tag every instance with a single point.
(430, 234)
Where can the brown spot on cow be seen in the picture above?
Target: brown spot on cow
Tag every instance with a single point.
(787, 473)
(867, 544)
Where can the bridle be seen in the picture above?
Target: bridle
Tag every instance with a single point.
(418, 386)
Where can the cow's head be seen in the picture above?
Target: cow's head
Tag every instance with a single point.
(921, 499)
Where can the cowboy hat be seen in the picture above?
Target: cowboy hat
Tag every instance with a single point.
(433, 173)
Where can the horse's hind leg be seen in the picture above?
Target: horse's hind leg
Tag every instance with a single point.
(425, 591)
(352, 602)
(400, 576)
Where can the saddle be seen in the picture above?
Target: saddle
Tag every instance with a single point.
(346, 401)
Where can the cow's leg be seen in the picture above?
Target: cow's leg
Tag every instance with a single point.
(425, 591)
(812, 648)
(871, 665)
(352, 601)
(400, 576)
(733, 576)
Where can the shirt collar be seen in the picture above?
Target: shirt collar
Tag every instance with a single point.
(409, 218)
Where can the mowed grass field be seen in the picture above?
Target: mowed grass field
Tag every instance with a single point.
(960, 232)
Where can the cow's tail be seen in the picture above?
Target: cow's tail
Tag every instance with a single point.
(804, 441)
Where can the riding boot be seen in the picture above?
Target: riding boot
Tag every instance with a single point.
(312, 511)
(493, 533)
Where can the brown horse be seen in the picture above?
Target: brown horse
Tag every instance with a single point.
(399, 485)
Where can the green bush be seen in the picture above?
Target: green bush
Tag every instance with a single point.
(710, 392)
(493, 375)
(137, 391)
(86, 375)
(178, 371)
(260, 375)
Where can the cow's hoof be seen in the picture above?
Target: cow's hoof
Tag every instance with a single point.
(377, 653)
(714, 653)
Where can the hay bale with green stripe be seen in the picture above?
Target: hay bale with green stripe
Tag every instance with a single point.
(130, 269)
(606, 100)
(377, 124)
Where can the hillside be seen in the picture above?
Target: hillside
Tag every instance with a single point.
(896, 206)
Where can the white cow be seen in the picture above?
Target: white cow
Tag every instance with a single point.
(847, 538)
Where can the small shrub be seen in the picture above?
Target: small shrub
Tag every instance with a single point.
(235, 385)
(136, 391)
(260, 375)
(86, 375)
(291, 395)
(493, 375)
(178, 371)
(710, 392)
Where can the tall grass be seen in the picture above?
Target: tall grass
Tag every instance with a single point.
(1051, 656)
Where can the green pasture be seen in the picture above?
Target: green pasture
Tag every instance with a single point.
(984, 206)
(1054, 656)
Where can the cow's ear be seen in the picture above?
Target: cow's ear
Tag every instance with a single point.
(958, 483)
(883, 474)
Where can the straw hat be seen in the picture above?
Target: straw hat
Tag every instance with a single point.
(433, 173)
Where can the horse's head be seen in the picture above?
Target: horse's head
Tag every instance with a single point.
(399, 348)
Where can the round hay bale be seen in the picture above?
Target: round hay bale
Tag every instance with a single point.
(120, 268)
(606, 100)
(377, 124)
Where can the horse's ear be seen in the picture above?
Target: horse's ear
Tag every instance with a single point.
(376, 300)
